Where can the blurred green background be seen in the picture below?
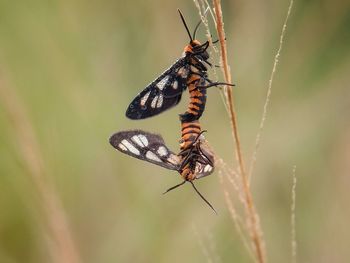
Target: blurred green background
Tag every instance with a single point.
(77, 64)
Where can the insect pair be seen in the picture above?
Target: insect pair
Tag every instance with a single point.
(195, 160)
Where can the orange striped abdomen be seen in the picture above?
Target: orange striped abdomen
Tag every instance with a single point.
(189, 134)
(198, 98)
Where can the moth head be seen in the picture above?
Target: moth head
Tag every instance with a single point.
(200, 49)
(195, 46)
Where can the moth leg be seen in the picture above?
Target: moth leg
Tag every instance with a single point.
(215, 84)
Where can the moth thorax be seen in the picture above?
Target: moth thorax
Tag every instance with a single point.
(188, 174)
(188, 49)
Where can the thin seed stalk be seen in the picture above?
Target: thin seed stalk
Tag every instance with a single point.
(252, 216)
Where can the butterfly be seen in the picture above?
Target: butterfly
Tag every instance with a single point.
(165, 91)
(195, 162)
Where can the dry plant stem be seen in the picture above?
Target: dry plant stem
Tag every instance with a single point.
(62, 248)
(234, 215)
(203, 247)
(204, 5)
(292, 219)
(268, 94)
(254, 225)
(234, 179)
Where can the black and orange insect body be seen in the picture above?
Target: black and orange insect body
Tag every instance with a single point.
(189, 71)
(190, 132)
(194, 151)
(194, 161)
(198, 98)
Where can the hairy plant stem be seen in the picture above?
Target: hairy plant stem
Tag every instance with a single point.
(253, 221)
(268, 93)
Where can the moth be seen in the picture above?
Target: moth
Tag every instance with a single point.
(189, 71)
(195, 162)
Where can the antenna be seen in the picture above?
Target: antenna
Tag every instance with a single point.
(205, 200)
(201, 196)
(195, 29)
(176, 186)
(200, 21)
(184, 22)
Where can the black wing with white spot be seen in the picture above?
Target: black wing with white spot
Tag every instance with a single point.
(162, 94)
(203, 170)
(145, 146)
(205, 166)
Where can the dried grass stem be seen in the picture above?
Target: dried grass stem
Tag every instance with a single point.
(252, 217)
(268, 93)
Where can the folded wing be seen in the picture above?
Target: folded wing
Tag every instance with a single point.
(145, 146)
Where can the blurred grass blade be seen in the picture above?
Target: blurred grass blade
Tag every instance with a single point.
(62, 248)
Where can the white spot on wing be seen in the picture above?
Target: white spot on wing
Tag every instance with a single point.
(207, 168)
(145, 98)
(144, 139)
(151, 156)
(140, 139)
(130, 147)
(162, 151)
(121, 146)
(160, 101)
(161, 84)
(198, 168)
(174, 159)
(175, 84)
(183, 72)
(137, 140)
(154, 102)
